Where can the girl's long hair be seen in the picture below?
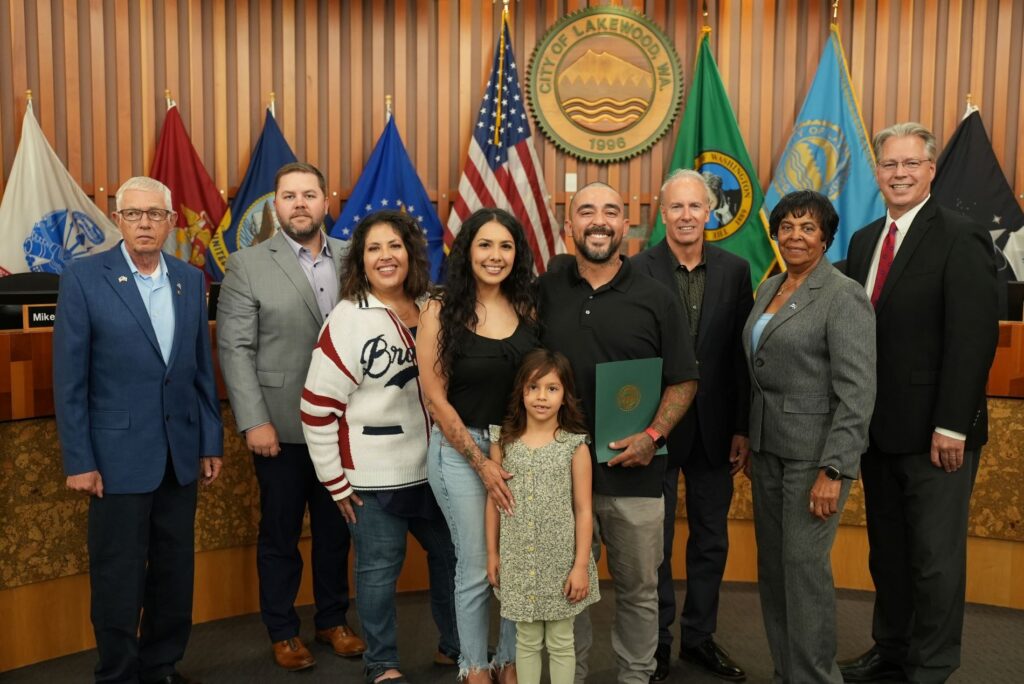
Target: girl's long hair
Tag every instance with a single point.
(536, 364)
(458, 312)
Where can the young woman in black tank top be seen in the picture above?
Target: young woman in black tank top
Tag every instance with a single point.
(470, 343)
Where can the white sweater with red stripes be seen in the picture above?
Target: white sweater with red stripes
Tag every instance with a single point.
(363, 413)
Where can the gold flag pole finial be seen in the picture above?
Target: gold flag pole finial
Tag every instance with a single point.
(969, 100)
(273, 99)
(28, 96)
(706, 28)
(387, 107)
(835, 12)
(167, 96)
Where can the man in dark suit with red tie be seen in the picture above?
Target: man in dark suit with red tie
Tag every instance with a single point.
(710, 444)
(930, 274)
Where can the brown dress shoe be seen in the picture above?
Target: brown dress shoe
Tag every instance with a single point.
(342, 639)
(292, 655)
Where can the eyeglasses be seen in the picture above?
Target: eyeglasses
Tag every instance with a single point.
(909, 164)
(134, 215)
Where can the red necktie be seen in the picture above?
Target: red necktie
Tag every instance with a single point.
(884, 263)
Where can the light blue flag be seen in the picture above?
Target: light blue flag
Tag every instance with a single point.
(830, 152)
(389, 181)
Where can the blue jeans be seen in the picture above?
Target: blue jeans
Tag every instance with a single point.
(380, 541)
(462, 497)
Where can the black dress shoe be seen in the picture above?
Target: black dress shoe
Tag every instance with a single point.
(662, 663)
(712, 658)
(870, 667)
(174, 678)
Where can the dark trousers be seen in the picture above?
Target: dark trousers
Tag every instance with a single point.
(141, 555)
(708, 495)
(917, 529)
(288, 484)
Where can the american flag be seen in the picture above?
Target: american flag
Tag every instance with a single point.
(502, 169)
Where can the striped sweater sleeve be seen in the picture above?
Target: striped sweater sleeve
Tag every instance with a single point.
(329, 383)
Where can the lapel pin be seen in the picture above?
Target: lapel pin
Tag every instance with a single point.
(793, 306)
(179, 287)
(122, 279)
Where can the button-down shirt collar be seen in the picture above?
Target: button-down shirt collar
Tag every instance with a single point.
(155, 291)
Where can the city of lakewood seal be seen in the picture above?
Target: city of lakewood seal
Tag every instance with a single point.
(604, 83)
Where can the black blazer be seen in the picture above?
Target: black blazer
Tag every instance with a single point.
(723, 393)
(937, 325)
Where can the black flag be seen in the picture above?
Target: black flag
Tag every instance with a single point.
(970, 181)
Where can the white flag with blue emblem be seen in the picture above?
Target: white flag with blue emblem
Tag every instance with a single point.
(45, 218)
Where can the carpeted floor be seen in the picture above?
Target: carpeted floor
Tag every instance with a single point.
(236, 650)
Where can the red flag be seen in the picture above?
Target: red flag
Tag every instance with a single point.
(194, 196)
(503, 169)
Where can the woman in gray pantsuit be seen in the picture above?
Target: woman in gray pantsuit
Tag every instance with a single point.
(810, 347)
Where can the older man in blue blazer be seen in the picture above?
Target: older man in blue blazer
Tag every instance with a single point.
(139, 424)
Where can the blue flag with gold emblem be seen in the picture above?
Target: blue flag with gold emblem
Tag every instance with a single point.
(389, 181)
(251, 217)
(830, 152)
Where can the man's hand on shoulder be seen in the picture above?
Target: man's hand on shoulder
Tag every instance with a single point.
(210, 467)
(262, 440)
(639, 451)
(90, 483)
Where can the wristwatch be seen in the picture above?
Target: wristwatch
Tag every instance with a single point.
(832, 473)
(656, 437)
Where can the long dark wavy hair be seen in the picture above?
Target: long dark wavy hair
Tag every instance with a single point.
(536, 364)
(417, 282)
(458, 311)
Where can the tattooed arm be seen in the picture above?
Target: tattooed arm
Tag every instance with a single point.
(639, 448)
(435, 390)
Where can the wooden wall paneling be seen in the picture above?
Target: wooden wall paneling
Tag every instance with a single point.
(766, 83)
(356, 98)
(286, 99)
(193, 112)
(44, 86)
(420, 94)
(929, 33)
(979, 36)
(310, 77)
(332, 164)
(1000, 95)
(172, 48)
(883, 59)
(468, 87)
(954, 98)
(122, 88)
(151, 93)
(1014, 155)
(445, 73)
(19, 51)
(904, 60)
(1018, 186)
(219, 103)
(73, 81)
(403, 103)
(855, 33)
(98, 99)
(247, 101)
(377, 89)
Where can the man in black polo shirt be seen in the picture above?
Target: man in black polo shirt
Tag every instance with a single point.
(595, 310)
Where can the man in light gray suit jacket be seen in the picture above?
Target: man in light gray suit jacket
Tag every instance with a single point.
(273, 301)
(810, 348)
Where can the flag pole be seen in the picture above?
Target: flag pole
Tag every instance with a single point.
(835, 13)
(167, 96)
(387, 108)
(273, 112)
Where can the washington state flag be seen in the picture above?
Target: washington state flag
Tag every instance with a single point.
(710, 143)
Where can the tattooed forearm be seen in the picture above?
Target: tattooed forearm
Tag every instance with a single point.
(675, 402)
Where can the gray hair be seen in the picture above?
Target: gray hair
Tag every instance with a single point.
(687, 174)
(903, 130)
(145, 184)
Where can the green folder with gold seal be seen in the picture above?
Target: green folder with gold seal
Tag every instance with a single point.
(628, 395)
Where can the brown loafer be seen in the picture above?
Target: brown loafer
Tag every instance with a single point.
(292, 655)
(342, 639)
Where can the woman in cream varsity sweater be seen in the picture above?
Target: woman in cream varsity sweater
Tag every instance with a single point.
(366, 426)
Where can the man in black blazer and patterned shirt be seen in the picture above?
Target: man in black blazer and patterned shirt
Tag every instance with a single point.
(710, 444)
(930, 274)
